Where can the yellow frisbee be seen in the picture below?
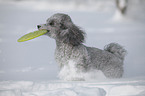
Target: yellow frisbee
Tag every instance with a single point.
(32, 35)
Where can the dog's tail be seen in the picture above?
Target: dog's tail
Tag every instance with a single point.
(116, 49)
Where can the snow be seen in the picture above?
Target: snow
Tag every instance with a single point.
(29, 68)
(70, 72)
(65, 5)
(135, 11)
(122, 87)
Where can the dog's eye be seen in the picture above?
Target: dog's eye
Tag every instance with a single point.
(51, 23)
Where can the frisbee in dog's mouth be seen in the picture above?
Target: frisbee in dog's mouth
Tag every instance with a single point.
(32, 35)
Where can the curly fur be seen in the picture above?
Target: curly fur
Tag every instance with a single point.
(76, 60)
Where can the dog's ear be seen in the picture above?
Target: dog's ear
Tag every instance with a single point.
(72, 35)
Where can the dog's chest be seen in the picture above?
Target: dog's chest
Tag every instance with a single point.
(76, 53)
(63, 54)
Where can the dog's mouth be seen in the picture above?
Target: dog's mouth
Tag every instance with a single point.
(33, 35)
(46, 32)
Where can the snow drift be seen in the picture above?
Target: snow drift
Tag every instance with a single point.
(124, 87)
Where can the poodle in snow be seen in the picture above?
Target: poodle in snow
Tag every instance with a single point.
(77, 61)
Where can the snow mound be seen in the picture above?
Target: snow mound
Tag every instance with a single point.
(28, 88)
(125, 90)
(133, 87)
(74, 91)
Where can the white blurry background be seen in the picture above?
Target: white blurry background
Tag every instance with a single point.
(100, 19)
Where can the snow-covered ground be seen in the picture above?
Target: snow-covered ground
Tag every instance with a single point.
(29, 68)
(120, 87)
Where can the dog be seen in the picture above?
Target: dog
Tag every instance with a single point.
(77, 61)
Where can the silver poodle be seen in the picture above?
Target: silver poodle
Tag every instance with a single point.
(77, 61)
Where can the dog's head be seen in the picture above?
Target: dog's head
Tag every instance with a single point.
(61, 28)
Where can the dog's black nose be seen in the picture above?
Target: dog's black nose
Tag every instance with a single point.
(38, 26)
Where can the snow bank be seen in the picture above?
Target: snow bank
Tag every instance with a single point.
(59, 88)
(125, 90)
(29, 88)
